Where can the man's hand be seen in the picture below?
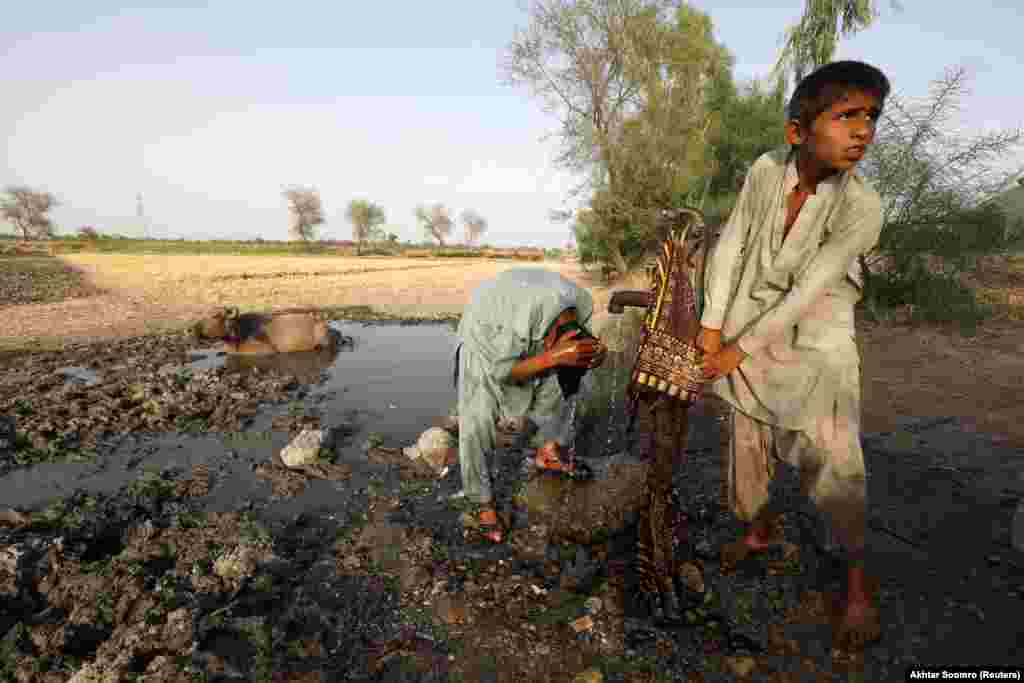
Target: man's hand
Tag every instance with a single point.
(573, 353)
(720, 364)
(709, 341)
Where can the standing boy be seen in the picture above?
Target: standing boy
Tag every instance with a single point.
(781, 288)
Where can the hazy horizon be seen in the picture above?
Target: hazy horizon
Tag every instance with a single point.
(210, 113)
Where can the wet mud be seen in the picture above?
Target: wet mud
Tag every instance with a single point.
(170, 553)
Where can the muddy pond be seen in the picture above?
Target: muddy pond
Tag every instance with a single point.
(386, 386)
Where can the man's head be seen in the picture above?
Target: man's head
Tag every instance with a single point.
(563, 328)
(560, 328)
(832, 114)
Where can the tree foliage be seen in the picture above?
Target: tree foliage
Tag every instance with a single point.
(366, 219)
(628, 80)
(812, 41)
(306, 212)
(474, 225)
(435, 221)
(28, 211)
(752, 122)
(936, 185)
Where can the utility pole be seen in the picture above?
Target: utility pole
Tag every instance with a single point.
(141, 216)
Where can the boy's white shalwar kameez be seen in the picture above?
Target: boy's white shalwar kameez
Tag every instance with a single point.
(789, 305)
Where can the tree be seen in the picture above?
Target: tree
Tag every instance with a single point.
(752, 122)
(626, 78)
(365, 217)
(306, 212)
(27, 210)
(474, 224)
(812, 41)
(936, 186)
(435, 221)
(88, 232)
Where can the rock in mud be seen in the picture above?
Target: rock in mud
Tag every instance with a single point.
(586, 512)
(589, 676)
(436, 448)
(13, 518)
(239, 563)
(304, 448)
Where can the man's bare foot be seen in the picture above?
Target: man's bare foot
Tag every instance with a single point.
(858, 626)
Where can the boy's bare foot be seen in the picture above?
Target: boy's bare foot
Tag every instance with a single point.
(858, 625)
(762, 536)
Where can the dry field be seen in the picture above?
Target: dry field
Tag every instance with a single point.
(907, 371)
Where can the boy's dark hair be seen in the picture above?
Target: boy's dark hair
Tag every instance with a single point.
(829, 84)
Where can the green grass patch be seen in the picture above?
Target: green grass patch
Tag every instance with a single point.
(251, 532)
(570, 609)
(152, 484)
(414, 489)
(621, 666)
(261, 637)
(59, 449)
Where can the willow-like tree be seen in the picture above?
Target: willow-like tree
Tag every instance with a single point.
(306, 212)
(435, 221)
(366, 219)
(626, 78)
(28, 211)
(812, 41)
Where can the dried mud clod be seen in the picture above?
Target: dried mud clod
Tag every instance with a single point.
(98, 589)
(143, 384)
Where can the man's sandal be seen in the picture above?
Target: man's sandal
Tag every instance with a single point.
(490, 531)
(547, 462)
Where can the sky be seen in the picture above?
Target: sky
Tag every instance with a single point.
(210, 110)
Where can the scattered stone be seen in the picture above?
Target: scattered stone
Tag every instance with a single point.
(236, 564)
(593, 605)
(451, 609)
(436, 448)
(692, 576)
(304, 448)
(9, 557)
(741, 666)
(11, 517)
(589, 676)
(582, 624)
(779, 644)
(449, 423)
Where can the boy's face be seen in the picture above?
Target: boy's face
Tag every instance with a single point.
(840, 135)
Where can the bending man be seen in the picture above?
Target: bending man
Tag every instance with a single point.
(522, 352)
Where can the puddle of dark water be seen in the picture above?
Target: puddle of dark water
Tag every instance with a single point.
(394, 380)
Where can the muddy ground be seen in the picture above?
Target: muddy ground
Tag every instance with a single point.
(182, 575)
(206, 559)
